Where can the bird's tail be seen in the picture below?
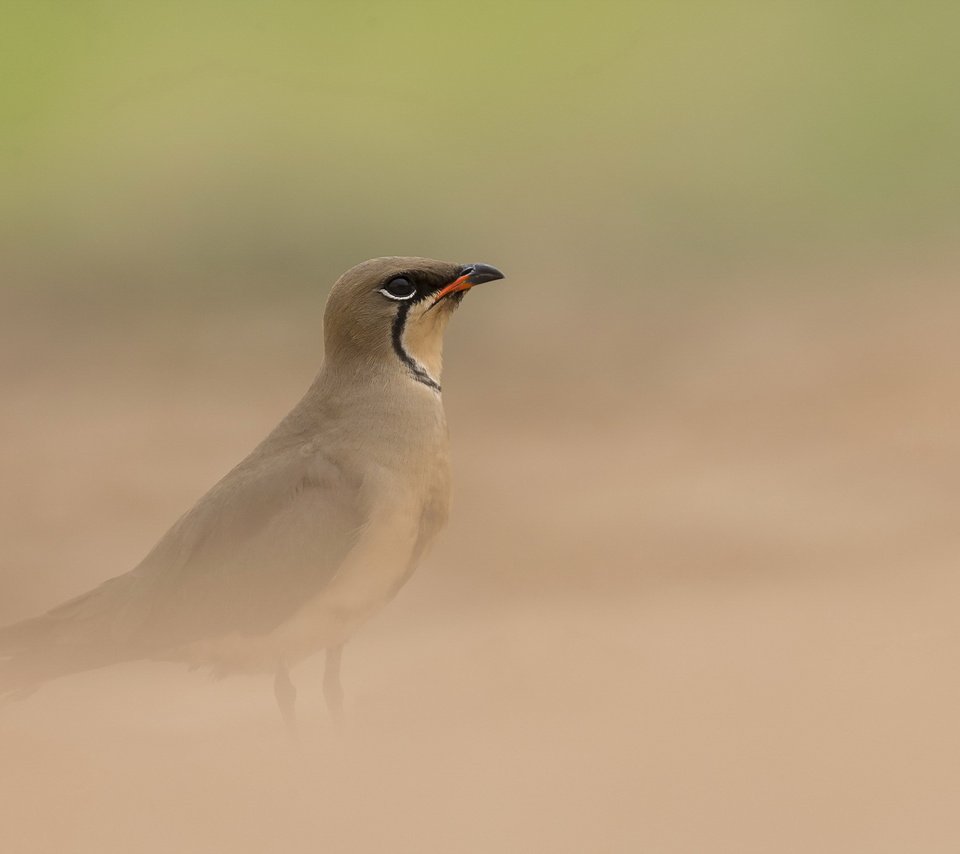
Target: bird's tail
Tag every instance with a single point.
(69, 639)
(20, 667)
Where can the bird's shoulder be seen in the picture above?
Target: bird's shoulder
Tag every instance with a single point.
(265, 484)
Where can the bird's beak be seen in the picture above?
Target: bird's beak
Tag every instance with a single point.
(472, 274)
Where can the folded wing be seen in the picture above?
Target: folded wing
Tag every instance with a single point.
(265, 539)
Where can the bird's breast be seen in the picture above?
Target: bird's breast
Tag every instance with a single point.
(388, 551)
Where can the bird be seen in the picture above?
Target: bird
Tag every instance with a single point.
(312, 533)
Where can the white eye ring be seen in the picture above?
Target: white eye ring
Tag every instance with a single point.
(385, 290)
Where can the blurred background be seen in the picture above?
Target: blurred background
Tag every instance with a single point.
(698, 591)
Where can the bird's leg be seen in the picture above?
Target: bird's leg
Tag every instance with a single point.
(286, 694)
(332, 690)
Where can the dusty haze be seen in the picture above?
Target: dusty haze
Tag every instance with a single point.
(698, 592)
(699, 589)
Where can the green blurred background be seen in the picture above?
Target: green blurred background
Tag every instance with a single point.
(250, 147)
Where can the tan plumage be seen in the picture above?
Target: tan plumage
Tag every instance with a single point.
(310, 534)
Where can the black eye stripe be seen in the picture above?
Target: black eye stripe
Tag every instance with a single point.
(415, 285)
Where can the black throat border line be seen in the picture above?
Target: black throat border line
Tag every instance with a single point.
(416, 370)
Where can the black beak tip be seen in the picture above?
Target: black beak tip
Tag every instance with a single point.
(477, 274)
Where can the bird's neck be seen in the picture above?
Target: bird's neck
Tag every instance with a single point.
(385, 392)
(402, 421)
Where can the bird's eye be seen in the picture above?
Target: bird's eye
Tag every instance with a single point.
(398, 288)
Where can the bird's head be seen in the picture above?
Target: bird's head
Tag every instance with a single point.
(396, 309)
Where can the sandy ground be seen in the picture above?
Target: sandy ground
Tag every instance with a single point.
(698, 593)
